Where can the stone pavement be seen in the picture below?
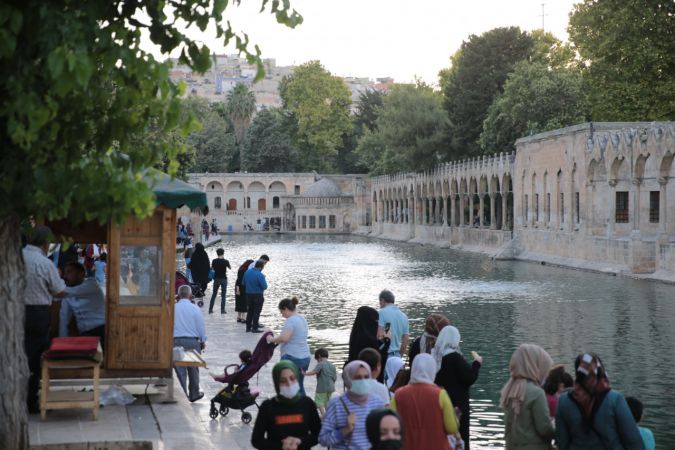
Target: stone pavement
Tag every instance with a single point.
(181, 425)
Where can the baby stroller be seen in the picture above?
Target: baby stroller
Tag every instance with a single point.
(182, 279)
(237, 394)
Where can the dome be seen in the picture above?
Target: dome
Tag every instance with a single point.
(323, 188)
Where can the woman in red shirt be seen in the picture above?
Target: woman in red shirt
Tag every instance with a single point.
(426, 425)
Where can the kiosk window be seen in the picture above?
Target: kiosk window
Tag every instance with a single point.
(140, 275)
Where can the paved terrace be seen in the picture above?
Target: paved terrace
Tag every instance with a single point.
(181, 425)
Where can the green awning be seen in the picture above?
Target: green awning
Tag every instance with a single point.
(174, 193)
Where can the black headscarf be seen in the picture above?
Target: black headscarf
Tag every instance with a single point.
(364, 331)
(199, 265)
(373, 425)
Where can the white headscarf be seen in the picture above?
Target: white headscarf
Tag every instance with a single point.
(446, 343)
(391, 369)
(423, 369)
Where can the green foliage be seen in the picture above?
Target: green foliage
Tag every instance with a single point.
(240, 109)
(549, 50)
(628, 57)
(367, 109)
(268, 145)
(213, 142)
(535, 99)
(477, 74)
(408, 133)
(319, 102)
(78, 90)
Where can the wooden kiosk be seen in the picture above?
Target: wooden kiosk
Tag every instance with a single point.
(140, 280)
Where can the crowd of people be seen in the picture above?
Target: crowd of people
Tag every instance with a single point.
(399, 394)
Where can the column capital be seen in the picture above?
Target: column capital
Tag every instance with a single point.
(663, 181)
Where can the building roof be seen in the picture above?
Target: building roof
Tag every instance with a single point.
(325, 187)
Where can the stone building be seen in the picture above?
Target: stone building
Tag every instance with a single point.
(596, 196)
(302, 202)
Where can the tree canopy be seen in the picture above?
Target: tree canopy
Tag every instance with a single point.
(409, 131)
(240, 109)
(627, 50)
(477, 74)
(319, 102)
(268, 146)
(78, 89)
(535, 99)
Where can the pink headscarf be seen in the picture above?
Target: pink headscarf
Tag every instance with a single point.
(347, 376)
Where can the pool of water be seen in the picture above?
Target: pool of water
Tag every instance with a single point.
(495, 305)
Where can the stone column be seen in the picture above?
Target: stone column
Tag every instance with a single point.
(470, 210)
(481, 209)
(505, 212)
(453, 210)
(612, 208)
(493, 219)
(636, 182)
(663, 205)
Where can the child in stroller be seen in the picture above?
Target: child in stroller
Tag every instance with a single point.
(236, 394)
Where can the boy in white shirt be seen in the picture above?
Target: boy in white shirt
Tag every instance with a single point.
(373, 358)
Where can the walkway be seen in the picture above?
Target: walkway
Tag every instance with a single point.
(181, 425)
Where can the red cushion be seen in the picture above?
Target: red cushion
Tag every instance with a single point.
(73, 347)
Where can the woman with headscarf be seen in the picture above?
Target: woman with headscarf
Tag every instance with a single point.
(455, 374)
(432, 327)
(384, 430)
(364, 332)
(344, 425)
(426, 410)
(199, 266)
(364, 335)
(593, 415)
(289, 420)
(526, 416)
(391, 371)
(240, 294)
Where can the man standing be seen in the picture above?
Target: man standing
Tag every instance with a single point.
(255, 284)
(189, 333)
(85, 301)
(220, 266)
(42, 284)
(393, 320)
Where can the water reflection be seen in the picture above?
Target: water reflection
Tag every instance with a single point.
(496, 306)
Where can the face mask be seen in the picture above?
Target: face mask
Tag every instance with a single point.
(389, 445)
(361, 387)
(289, 391)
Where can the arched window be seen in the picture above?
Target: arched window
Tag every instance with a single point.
(217, 203)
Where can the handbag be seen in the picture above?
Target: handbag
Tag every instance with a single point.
(212, 274)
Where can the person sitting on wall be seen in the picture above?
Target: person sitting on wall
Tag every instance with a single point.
(85, 301)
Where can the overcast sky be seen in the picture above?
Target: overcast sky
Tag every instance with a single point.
(379, 38)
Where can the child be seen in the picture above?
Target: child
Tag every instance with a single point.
(637, 409)
(557, 382)
(245, 358)
(325, 379)
(99, 269)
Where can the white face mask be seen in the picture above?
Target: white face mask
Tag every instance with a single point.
(289, 391)
(361, 387)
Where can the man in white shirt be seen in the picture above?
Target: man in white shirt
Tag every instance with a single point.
(42, 285)
(85, 301)
(189, 332)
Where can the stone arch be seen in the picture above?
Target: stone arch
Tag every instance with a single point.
(666, 164)
(235, 195)
(278, 187)
(256, 186)
(619, 170)
(640, 164)
(214, 186)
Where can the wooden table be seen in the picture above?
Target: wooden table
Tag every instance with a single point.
(191, 359)
(70, 399)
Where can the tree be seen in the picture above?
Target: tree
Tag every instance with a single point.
(77, 90)
(535, 99)
(268, 145)
(627, 50)
(320, 103)
(367, 109)
(409, 131)
(477, 74)
(212, 140)
(240, 108)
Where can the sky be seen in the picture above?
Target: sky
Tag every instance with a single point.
(385, 38)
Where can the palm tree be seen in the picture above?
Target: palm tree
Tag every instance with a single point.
(240, 108)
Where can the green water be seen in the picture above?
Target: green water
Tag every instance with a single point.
(495, 305)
